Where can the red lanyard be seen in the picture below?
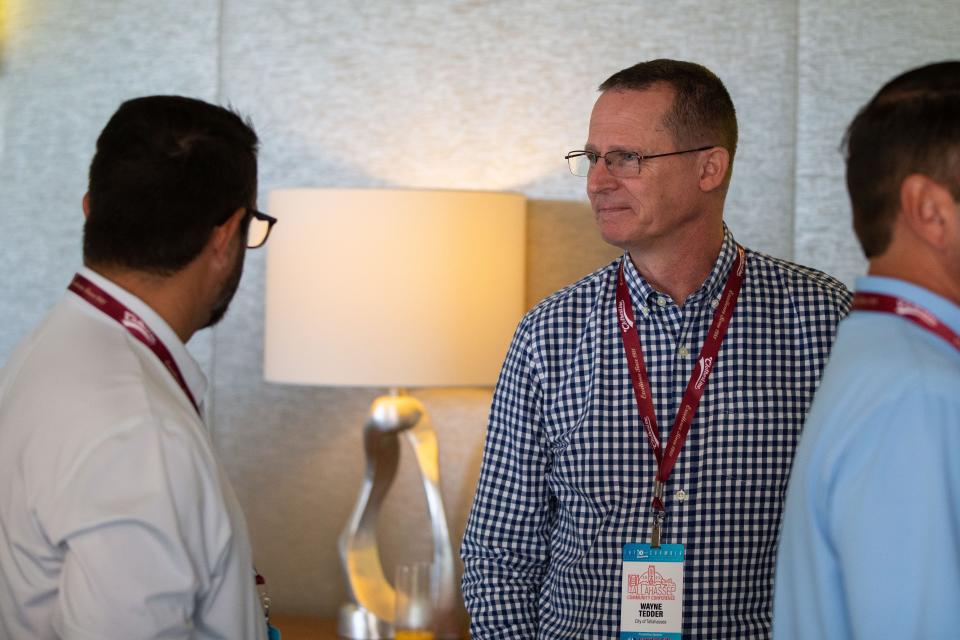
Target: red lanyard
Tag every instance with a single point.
(908, 311)
(695, 386)
(133, 324)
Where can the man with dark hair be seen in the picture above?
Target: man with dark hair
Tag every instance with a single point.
(116, 519)
(587, 523)
(871, 527)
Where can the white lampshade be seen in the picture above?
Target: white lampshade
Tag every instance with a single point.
(392, 288)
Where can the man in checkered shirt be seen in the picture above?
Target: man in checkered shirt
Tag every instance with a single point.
(567, 475)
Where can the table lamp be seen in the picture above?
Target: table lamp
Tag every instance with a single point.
(397, 289)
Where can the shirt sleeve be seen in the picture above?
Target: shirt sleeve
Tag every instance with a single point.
(139, 521)
(505, 547)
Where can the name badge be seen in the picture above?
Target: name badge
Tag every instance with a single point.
(651, 596)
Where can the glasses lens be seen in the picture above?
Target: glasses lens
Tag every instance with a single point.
(579, 165)
(623, 164)
(257, 233)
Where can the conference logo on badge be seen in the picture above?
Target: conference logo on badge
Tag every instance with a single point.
(650, 585)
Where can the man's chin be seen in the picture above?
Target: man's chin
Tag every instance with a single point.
(219, 310)
(216, 316)
(615, 236)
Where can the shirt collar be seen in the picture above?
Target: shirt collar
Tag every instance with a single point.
(946, 311)
(192, 374)
(712, 287)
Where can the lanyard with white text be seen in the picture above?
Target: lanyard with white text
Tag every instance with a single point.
(695, 386)
(133, 324)
(908, 311)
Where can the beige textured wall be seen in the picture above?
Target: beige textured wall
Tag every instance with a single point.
(477, 94)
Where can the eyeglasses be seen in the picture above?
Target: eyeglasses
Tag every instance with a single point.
(620, 164)
(258, 228)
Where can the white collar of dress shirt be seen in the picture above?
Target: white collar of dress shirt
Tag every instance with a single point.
(192, 374)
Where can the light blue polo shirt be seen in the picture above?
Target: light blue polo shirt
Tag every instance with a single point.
(870, 542)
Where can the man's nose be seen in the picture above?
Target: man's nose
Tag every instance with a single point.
(600, 179)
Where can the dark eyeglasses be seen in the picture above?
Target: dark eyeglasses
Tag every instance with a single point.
(258, 229)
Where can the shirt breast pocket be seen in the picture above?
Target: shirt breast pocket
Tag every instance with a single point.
(755, 434)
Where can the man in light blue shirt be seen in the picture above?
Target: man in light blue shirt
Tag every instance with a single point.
(870, 545)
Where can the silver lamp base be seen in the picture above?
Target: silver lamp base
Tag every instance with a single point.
(369, 615)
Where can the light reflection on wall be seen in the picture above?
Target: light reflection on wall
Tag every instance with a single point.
(432, 147)
(3, 64)
(14, 14)
(504, 137)
(429, 149)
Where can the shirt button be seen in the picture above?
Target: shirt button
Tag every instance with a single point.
(715, 303)
(684, 351)
(680, 495)
(662, 301)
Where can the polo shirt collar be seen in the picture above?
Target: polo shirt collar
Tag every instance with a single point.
(945, 310)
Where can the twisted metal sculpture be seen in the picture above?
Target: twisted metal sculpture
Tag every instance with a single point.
(370, 615)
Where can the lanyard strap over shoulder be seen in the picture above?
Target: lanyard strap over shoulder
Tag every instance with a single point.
(134, 325)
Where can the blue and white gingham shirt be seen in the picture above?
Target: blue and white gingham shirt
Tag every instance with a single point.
(567, 471)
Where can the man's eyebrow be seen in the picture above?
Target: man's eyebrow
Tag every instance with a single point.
(593, 149)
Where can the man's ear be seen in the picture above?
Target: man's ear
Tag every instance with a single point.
(929, 211)
(86, 205)
(222, 236)
(714, 165)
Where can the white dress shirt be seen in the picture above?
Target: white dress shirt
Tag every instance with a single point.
(116, 519)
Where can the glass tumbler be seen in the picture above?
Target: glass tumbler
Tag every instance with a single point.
(414, 613)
